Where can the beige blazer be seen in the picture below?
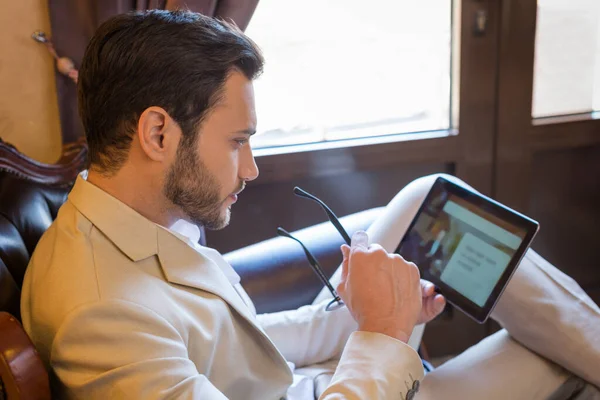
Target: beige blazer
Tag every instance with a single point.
(121, 308)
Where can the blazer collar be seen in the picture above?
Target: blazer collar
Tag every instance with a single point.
(131, 232)
(184, 265)
(139, 238)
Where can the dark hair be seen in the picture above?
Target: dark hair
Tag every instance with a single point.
(177, 60)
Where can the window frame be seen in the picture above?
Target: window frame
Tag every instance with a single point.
(519, 135)
(469, 147)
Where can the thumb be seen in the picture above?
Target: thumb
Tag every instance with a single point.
(345, 251)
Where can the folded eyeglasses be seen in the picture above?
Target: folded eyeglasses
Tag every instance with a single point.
(337, 301)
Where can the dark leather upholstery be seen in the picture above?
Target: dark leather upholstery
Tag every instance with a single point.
(30, 195)
(26, 210)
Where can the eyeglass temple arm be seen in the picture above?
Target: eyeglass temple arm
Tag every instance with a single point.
(312, 261)
(332, 217)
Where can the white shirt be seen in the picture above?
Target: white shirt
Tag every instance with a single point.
(191, 233)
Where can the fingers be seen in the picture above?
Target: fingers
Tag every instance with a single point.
(346, 253)
(376, 247)
(376, 285)
(439, 303)
(432, 307)
(435, 305)
(427, 288)
(360, 242)
(360, 248)
(360, 239)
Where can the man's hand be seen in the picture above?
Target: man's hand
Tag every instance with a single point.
(382, 291)
(433, 303)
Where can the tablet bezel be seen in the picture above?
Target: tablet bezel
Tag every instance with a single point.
(530, 226)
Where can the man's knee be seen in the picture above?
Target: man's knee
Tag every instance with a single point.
(428, 180)
(425, 183)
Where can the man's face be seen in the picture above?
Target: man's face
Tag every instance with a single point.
(207, 174)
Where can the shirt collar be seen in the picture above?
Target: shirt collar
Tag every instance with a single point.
(190, 234)
(187, 229)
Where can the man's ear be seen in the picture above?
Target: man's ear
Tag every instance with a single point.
(158, 133)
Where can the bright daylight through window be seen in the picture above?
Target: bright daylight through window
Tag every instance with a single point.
(343, 69)
(567, 58)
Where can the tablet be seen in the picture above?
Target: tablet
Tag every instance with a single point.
(468, 245)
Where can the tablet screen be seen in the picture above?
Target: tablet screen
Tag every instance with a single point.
(464, 244)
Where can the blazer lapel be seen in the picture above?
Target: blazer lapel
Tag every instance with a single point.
(183, 265)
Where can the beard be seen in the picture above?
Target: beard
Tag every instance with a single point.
(190, 186)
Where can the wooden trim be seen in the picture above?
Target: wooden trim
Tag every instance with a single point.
(326, 162)
(63, 173)
(21, 369)
(515, 90)
(563, 119)
(478, 74)
(565, 135)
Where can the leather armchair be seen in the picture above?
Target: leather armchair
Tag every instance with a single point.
(30, 195)
(274, 272)
(22, 374)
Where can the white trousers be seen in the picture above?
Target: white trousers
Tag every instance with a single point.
(551, 327)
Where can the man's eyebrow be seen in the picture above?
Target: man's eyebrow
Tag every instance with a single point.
(249, 131)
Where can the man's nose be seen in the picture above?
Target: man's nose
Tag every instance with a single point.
(248, 167)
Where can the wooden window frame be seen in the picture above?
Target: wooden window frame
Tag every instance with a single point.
(519, 136)
(470, 147)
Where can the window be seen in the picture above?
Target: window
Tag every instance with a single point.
(343, 69)
(567, 58)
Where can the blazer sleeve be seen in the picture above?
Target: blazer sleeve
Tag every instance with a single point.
(375, 366)
(121, 350)
(309, 335)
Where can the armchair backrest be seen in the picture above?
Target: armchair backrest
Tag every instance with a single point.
(22, 373)
(30, 195)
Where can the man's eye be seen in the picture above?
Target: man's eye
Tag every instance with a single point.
(241, 142)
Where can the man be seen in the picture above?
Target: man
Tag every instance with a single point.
(121, 302)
